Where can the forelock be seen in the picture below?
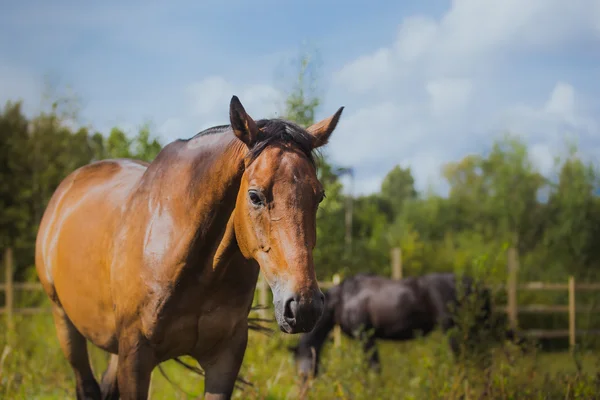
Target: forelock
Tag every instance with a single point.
(284, 133)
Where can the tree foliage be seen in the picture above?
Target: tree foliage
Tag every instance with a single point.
(36, 154)
(496, 199)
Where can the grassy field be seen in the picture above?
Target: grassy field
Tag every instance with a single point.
(34, 368)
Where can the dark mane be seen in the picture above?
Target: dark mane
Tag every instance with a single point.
(273, 132)
(281, 132)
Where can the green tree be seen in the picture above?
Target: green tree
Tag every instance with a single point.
(146, 147)
(573, 210)
(36, 155)
(398, 186)
(15, 177)
(143, 146)
(514, 187)
(118, 145)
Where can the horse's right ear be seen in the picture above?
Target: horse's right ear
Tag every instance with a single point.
(242, 124)
(322, 130)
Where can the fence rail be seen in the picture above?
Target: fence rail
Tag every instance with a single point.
(511, 287)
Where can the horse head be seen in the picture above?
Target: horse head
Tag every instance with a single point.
(275, 211)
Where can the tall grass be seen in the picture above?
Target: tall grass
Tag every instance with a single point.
(33, 367)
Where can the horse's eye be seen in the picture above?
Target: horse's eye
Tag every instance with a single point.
(255, 198)
(322, 197)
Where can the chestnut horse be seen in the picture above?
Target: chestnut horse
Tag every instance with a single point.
(150, 262)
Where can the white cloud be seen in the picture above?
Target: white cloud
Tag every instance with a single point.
(448, 95)
(557, 116)
(358, 74)
(211, 97)
(376, 137)
(425, 168)
(373, 134)
(474, 30)
(173, 128)
(208, 105)
(416, 35)
(542, 156)
(562, 101)
(470, 35)
(473, 27)
(441, 88)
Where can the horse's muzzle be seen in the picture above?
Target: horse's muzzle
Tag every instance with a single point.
(300, 313)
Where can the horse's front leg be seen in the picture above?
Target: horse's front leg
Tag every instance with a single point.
(223, 366)
(135, 364)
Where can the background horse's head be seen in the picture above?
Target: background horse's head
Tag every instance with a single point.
(308, 350)
(276, 207)
(306, 357)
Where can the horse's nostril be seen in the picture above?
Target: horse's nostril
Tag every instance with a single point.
(289, 311)
(322, 297)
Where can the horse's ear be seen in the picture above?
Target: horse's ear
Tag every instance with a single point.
(322, 130)
(242, 124)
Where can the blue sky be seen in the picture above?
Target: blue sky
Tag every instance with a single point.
(423, 83)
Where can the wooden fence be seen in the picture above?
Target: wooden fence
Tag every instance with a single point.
(512, 287)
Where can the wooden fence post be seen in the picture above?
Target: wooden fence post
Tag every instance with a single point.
(337, 333)
(572, 312)
(9, 289)
(396, 263)
(262, 294)
(513, 267)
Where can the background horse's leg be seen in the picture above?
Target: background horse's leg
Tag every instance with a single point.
(110, 389)
(223, 368)
(370, 350)
(447, 324)
(135, 364)
(453, 341)
(74, 346)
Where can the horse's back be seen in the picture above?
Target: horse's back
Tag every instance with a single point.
(74, 238)
(377, 302)
(442, 283)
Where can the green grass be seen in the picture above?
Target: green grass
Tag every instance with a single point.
(422, 369)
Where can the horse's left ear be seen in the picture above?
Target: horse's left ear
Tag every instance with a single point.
(321, 131)
(242, 124)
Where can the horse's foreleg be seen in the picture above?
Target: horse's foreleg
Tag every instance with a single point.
(135, 364)
(109, 387)
(74, 347)
(222, 367)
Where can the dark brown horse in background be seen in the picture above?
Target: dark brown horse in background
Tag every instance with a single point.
(154, 261)
(369, 307)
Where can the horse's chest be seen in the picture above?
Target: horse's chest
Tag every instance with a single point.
(196, 334)
(213, 328)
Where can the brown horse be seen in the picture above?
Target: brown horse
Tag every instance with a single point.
(154, 261)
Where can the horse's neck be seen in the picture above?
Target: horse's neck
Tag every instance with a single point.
(214, 187)
(200, 180)
(216, 168)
